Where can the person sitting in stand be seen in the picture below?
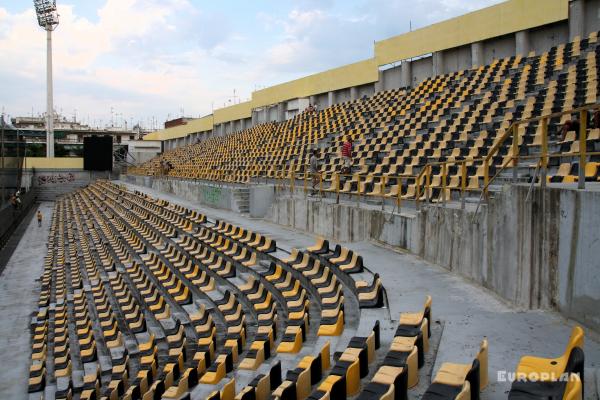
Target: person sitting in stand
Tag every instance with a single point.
(347, 155)
(568, 126)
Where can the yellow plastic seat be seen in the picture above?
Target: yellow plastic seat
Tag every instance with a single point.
(539, 368)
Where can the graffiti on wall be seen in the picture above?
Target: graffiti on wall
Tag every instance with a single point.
(211, 195)
(55, 179)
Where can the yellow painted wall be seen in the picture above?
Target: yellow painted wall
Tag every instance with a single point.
(203, 124)
(53, 163)
(500, 19)
(233, 113)
(359, 73)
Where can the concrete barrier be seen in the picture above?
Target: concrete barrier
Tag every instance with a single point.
(538, 253)
(254, 200)
(49, 184)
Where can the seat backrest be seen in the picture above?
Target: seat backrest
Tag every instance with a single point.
(473, 379)
(465, 393)
(576, 339)
(228, 391)
(325, 356)
(427, 313)
(482, 356)
(275, 376)
(574, 389)
(575, 362)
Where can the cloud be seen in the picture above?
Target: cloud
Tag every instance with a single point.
(152, 57)
(137, 51)
(319, 36)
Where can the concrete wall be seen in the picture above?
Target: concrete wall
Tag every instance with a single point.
(225, 197)
(544, 38)
(272, 114)
(497, 48)
(541, 253)
(321, 100)
(457, 59)
(592, 16)
(392, 78)
(260, 200)
(52, 183)
(368, 90)
(344, 223)
(421, 70)
(342, 95)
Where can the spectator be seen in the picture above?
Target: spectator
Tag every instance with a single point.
(314, 170)
(39, 218)
(568, 126)
(310, 109)
(13, 201)
(347, 155)
(596, 119)
(18, 199)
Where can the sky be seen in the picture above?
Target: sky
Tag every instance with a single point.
(151, 60)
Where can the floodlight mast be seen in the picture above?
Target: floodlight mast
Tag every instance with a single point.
(47, 17)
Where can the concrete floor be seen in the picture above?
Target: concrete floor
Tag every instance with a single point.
(463, 313)
(19, 292)
(467, 311)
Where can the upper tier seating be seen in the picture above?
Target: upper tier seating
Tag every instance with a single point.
(453, 117)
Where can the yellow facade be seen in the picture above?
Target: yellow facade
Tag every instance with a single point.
(498, 20)
(233, 113)
(356, 74)
(203, 124)
(53, 163)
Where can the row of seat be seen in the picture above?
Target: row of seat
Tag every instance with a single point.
(110, 275)
(168, 249)
(453, 117)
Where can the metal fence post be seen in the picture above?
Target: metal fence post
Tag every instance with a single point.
(399, 197)
(305, 184)
(544, 171)
(320, 184)
(444, 172)
(582, 148)
(515, 151)
(486, 176)
(463, 183)
(337, 189)
(382, 191)
(292, 182)
(357, 190)
(427, 182)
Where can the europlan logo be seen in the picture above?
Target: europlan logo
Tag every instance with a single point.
(509, 376)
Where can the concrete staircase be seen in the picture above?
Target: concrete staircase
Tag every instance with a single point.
(52, 192)
(241, 197)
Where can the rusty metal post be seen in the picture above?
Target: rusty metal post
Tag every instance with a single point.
(544, 170)
(486, 176)
(463, 183)
(582, 148)
(515, 152)
(444, 172)
(427, 182)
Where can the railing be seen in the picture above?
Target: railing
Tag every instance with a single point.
(422, 186)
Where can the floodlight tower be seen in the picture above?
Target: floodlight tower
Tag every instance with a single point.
(47, 17)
